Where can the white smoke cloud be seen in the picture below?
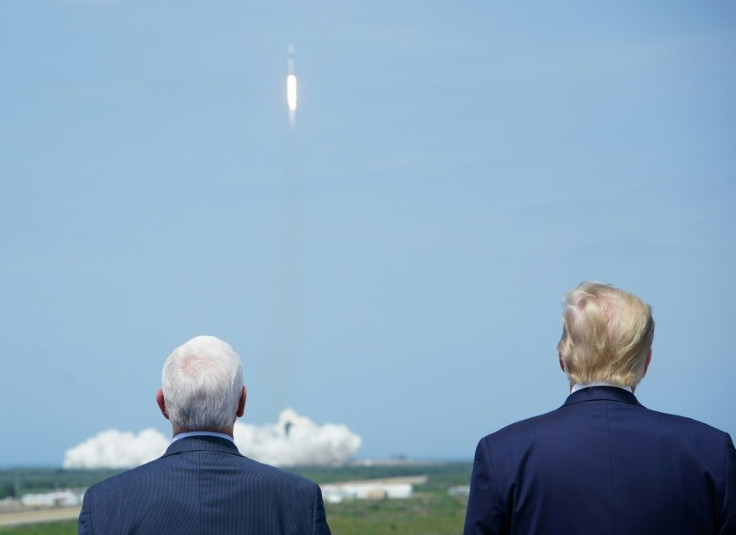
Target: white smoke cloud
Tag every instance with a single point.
(293, 440)
(116, 449)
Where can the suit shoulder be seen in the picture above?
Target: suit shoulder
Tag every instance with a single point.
(276, 475)
(691, 425)
(522, 426)
(124, 478)
(656, 423)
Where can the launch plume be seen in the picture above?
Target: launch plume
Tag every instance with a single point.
(116, 449)
(293, 440)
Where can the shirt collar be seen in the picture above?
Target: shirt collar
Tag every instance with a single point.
(188, 434)
(578, 386)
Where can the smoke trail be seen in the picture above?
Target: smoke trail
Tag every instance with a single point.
(291, 89)
(288, 296)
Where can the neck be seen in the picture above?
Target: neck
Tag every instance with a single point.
(574, 387)
(224, 430)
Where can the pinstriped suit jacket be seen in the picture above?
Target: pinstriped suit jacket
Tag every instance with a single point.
(204, 486)
(603, 464)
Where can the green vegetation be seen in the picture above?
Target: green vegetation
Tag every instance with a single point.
(427, 513)
(442, 474)
(431, 511)
(18, 481)
(68, 527)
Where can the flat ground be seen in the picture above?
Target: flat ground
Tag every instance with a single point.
(19, 518)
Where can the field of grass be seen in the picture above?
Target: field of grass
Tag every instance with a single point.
(431, 511)
(424, 514)
(52, 528)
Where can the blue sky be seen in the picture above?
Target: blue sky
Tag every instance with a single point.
(396, 264)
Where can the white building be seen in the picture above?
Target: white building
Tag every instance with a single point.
(58, 498)
(373, 489)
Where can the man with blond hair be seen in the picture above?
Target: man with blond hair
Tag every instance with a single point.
(202, 485)
(602, 463)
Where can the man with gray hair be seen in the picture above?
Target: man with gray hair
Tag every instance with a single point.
(202, 484)
(602, 463)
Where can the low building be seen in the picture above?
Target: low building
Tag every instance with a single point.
(372, 489)
(57, 498)
(460, 490)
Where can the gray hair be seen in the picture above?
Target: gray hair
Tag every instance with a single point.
(607, 334)
(202, 381)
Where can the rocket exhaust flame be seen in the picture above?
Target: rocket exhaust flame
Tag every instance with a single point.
(291, 87)
(291, 92)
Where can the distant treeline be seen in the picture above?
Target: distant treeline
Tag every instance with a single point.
(14, 482)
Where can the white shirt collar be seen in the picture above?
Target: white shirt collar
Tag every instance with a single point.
(202, 434)
(578, 386)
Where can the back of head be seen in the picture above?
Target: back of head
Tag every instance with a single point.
(607, 335)
(202, 383)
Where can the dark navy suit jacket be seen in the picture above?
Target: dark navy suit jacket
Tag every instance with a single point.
(203, 486)
(603, 464)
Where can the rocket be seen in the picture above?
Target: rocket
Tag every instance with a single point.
(291, 84)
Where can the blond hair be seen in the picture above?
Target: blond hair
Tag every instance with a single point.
(606, 335)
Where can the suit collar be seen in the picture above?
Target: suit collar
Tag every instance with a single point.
(601, 393)
(200, 443)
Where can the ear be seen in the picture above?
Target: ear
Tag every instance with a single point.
(241, 403)
(559, 359)
(161, 402)
(649, 360)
